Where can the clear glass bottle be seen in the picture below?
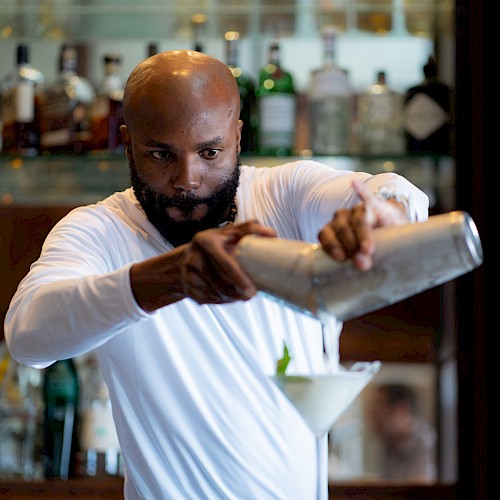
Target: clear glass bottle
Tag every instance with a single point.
(427, 114)
(330, 103)
(61, 419)
(380, 119)
(246, 86)
(19, 95)
(277, 107)
(107, 112)
(101, 453)
(20, 410)
(66, 108)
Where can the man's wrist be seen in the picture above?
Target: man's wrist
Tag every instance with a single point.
(386, 194)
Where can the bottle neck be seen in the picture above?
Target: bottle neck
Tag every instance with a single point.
(68, 61)
(112, 68)
(274, 55)
(232, 53)
(329, 49)
(22, 55)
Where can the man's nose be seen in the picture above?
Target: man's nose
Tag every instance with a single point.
(188, 174)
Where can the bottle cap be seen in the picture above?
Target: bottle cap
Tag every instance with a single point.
(22, 54)
(430, 69)
(112, 57)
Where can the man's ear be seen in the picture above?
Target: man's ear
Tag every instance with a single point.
(126, 140)
(238, 134)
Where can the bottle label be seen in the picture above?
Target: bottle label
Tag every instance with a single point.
(423, 116)
(64, 122)
(99, 432)
(25, 102)
(330, 125)
(277, 120)
(380, 124)
(382, 109)
(329, 81)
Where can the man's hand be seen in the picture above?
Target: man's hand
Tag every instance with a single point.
(209, 271)
(349, 235)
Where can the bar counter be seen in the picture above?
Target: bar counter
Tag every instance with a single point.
(111, 487)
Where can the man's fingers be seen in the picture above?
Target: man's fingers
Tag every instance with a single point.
(211, 272)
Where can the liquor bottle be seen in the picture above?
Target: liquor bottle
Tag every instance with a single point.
(330, 103)
(246, 86)
(19, 94)
(277, 107)
(61, 398)
(99, 442)
(198, 22)
(427, 114)
(380, 119)
(20, 401)
(65, 108)
(107, 112)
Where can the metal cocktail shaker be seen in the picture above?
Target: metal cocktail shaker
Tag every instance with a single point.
(408, 260)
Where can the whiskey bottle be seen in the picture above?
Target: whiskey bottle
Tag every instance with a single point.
(277, 107)
(246, 87)
(427, 114)
(380, 119)
(66, 108)
(107, 113)
(330, 103)
(61, 399)
(19, 95)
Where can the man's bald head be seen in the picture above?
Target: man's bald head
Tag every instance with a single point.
(177, 80)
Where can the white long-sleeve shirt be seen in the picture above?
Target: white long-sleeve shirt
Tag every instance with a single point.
(196, 412)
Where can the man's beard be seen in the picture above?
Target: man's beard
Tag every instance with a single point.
(178, 232)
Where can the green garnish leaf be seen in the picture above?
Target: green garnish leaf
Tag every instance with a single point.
(282, 363)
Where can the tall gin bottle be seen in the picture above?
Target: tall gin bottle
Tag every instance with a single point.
(380, 119)
(277, 107)
(65, 109)
(427, 114)
(19, 95)
(246, 86)
(330, 103)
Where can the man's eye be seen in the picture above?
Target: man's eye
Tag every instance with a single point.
(210, 153)
(161, 155)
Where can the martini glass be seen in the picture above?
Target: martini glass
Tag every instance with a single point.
(321, 399)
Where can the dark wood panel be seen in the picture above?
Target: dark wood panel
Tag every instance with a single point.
(78, 489)
(406, 331)
(22, 232)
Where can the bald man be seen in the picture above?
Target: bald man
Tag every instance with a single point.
(147, 279)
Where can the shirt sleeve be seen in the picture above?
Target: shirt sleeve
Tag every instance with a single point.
(72, 300)
(308, 193)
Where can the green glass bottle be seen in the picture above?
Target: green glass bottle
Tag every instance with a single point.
(61, 396)
(246, 86)
(277, 107)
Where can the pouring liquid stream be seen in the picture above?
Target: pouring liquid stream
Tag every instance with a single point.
(331, 329)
